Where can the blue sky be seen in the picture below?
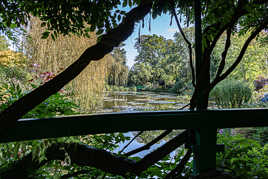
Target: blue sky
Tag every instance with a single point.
(159, 26)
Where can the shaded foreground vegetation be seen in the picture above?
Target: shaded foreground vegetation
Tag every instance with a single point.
(207, 68)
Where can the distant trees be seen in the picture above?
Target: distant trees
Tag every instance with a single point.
(72, 17)
(158, 62)
(117, 68)
(165, 62)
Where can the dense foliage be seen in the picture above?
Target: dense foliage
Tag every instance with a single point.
(244, 158)
(231, 94)
(162, 62)
(65, 17)
(117, 68)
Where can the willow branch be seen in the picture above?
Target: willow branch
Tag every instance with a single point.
(106, 44)
(148, 146)
(241, 54)
(179, 168)
(224, 53)
(189, 45)
(131, 141)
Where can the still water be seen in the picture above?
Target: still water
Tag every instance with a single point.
(140, 101)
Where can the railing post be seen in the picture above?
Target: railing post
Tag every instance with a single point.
(204, 146)
(204, 150)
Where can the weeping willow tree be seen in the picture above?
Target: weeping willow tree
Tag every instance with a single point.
(55, 55)
(248, 15)
(117, 69)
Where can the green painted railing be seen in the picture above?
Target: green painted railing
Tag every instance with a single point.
(205, 123)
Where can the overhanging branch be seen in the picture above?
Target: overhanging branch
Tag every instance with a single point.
(224, 53)
(218, 29)
(189, 46)
(139, 133)
(84, 155)
(148, 145)
(179, 168)
(106, 44)
(241, 54)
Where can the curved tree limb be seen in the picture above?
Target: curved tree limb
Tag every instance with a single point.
(154, 141)
(179, 168)
(188, 43)
(161, 152)
(219, 28)
(224, 53)
(106, 44)
(241, 54)
(139, 133)
(84, 155)
(148, 145)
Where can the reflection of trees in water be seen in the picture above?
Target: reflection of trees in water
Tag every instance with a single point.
(141, 101)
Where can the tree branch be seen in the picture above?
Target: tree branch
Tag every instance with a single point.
(224, 53)
(241, 54)
(161, 152)
(130, 142)
(84, 155)
(219, 29)
(148, 146)
(106, 44)
(189, 45)
(179, 168)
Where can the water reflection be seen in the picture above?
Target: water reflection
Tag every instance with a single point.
(139, 101)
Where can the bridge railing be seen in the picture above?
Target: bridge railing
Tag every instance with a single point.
(203, 123)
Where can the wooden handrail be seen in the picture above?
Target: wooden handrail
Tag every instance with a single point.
(29, 129)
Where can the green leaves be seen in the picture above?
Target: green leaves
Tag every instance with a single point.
(45, 34)
(231, 94)
(246, 157)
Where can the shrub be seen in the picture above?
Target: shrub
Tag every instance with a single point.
(231, 93)
(178, 87)
(245, 158)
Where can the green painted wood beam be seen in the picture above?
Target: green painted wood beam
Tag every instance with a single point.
(27, 129)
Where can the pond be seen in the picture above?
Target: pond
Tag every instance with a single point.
(141, 101)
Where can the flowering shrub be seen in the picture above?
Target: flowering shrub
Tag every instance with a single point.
(60, 103)
(57, 104)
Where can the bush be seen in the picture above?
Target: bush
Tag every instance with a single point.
(245, 158)
(178, 87)
(231, 94)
